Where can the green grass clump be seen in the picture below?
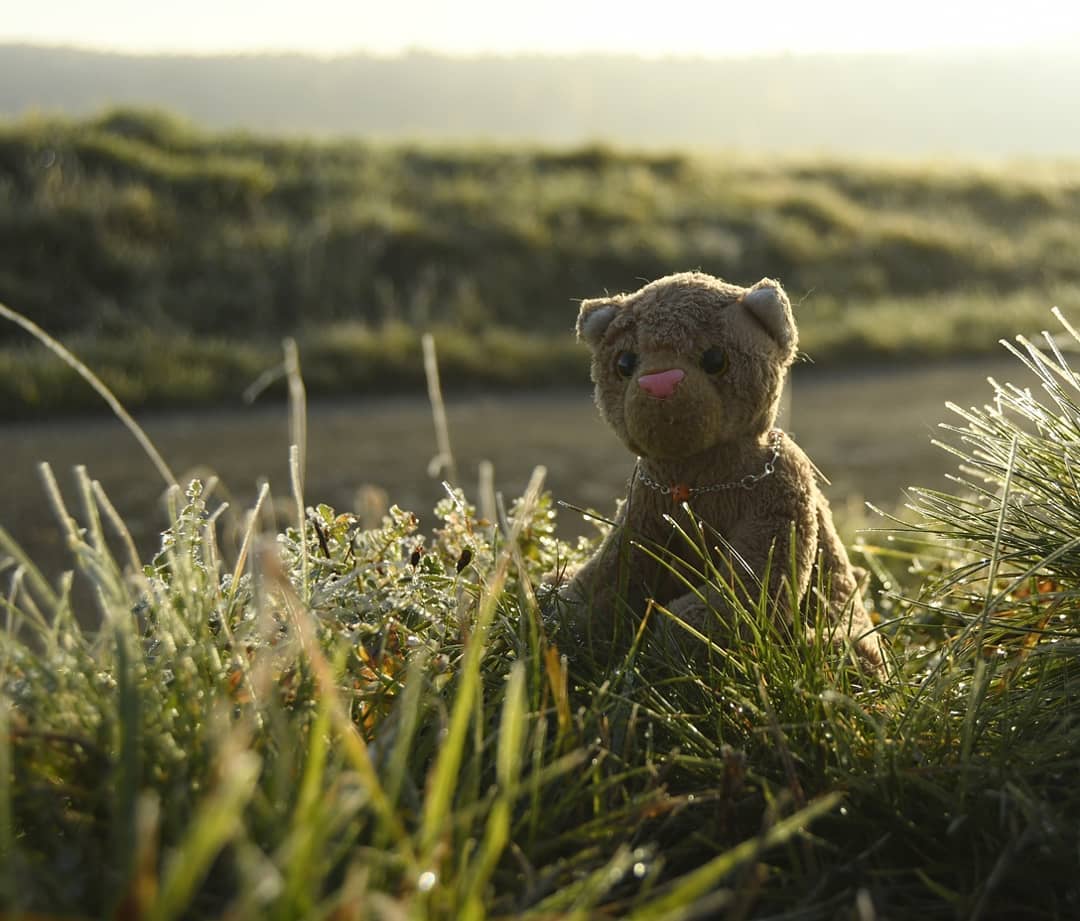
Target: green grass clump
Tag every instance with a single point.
(337, 722)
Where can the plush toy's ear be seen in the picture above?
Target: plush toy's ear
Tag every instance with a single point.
(770, 308)
(594, 317)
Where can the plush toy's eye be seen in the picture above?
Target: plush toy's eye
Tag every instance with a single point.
(714, 361)
(625, 363)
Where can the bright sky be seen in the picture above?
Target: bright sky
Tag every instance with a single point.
(691, 27)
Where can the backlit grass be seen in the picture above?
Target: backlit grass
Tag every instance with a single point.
(333, 722)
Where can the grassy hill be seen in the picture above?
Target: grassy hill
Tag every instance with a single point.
(139, 236)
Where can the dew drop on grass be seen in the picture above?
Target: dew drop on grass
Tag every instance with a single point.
(426, 881)
(843, 810)
(639, 869)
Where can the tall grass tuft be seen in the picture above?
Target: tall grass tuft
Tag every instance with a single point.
(339, 722)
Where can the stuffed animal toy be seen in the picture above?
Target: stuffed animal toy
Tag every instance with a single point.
(688, 372)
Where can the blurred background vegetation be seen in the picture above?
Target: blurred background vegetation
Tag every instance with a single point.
(175, 259)
(1002, 99)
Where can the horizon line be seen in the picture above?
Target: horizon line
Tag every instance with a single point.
(1063, 44)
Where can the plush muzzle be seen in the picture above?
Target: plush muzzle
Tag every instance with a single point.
(661, 384)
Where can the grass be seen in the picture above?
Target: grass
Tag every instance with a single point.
(333, 722)
(178, 244)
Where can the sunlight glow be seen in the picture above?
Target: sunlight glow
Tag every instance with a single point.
(675, 27)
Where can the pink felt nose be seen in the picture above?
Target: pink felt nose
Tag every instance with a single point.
(662, 384)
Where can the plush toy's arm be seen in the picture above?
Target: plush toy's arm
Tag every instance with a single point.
(590, 597)
(708, 610)
(594, 584)
(767, 545)
(850, 621)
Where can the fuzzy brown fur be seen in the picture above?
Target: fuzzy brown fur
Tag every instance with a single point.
(711, 429)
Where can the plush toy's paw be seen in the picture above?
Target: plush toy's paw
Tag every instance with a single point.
(868, 648)
(694, 624)
(871, 655)
(692, 611)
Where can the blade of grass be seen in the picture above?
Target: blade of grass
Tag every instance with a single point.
(128, 762)
(575, 901)
(304, 837)
(297, 407)
(301, 521)
(980, 680)
(444, 775)
(94, 381)
(245, 549)
(678, 901)
(507, 771)
(355, 747)
(408, 710)
(26, 576)
(444, 459)
(7, 827)
(218, 818)
(119, 527)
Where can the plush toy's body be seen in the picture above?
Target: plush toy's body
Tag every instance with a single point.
(688, 372)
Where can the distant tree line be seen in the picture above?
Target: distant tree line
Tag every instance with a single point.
(977, 103)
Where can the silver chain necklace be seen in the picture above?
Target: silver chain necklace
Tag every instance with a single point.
(681, 492)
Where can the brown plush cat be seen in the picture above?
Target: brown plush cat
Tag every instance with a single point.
(688, 372)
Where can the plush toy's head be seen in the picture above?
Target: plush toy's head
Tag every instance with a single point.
(689, 361)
